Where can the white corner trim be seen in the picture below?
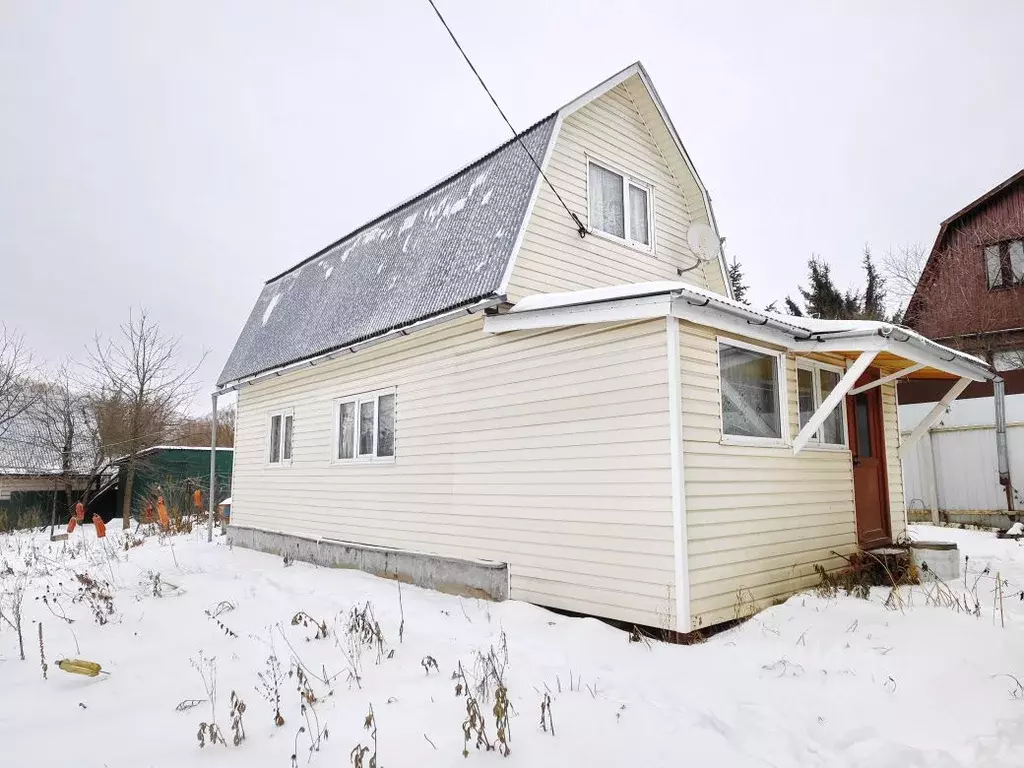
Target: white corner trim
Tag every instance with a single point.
(528, 214)
(834, 398)
(675, 422)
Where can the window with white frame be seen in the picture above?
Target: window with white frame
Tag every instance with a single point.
(619, 206)
(752, 392)
(279, 437)
(814, 382)
(365, 427)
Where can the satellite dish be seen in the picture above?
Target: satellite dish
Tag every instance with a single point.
(703, 241)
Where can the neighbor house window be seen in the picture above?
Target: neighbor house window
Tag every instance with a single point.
(815, 381)
(619, 206)
(751, 385)
(365, 427)
(279, 437)
(1004, 263)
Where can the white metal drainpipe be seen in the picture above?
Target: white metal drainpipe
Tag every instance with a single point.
(1003, 458)
(213, 468)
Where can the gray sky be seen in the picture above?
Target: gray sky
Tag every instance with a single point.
(176, 155)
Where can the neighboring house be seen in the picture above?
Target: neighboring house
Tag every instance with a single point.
(971, 296)
(174, 470)
(971, 292)
(468, 391)
(33, 482)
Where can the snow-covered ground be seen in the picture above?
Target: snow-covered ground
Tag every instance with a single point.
(812, 682)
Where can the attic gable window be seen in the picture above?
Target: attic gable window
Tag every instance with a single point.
(364, 427)
(619, 206)
(1004, 263)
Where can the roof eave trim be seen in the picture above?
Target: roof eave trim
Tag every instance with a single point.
(308, 362)
(745, 323)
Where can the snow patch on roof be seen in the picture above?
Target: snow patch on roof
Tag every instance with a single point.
(408, 221)
(487, 197)
(270, 307)
(477, 182)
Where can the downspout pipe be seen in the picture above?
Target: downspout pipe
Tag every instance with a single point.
(1001, 452)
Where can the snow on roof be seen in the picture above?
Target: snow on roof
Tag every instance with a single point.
(433, 253)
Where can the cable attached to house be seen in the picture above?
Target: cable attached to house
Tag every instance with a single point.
(576, 219)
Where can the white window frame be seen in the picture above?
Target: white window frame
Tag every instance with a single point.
(627, 180)
(283, 413)
(780, 375)
(814, 366)
(366, 458)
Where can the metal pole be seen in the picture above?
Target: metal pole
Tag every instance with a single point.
(1002, 454)
(213, 468)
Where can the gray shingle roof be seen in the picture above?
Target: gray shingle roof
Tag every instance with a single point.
(445, 248)
(26, 450)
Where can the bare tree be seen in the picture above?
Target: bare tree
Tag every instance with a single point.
(16, 392)
(902, 269)
(144, 387)
(68, 433)
(195, 430)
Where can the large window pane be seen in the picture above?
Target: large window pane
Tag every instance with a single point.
(805, 393)
(366, 427)
(386, 425)
(275, 439)
(286, 452)
(750, 393)
(1017, 260)
(993, 266)
(606, 206)
(639, 227)
(832, 428)
(346, 430)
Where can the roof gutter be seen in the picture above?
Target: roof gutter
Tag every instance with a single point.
(395, 333)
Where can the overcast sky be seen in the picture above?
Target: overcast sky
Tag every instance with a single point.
(176, 155)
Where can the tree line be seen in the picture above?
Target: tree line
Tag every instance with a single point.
(130, 392)
(884, 294)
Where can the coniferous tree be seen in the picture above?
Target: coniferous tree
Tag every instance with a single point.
(739, 288)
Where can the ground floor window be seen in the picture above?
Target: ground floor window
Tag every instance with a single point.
(815, 382)
(279, 437)
(752, 392)
(365, 427)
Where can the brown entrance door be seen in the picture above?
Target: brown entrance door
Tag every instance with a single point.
(867, 443)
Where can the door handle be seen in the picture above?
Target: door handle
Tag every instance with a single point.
(856, 460)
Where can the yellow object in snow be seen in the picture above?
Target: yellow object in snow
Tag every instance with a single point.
(79, 667)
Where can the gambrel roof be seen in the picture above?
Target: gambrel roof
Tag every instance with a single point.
(450, 247)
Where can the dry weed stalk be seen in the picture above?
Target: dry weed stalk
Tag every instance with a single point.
(301, 618)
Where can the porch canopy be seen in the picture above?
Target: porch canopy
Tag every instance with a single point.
(898, 352)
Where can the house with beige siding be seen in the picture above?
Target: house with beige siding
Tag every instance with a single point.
(525, 382)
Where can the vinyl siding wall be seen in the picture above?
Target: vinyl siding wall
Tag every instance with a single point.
(893, 465)
(757, 518)
(547, 450)
(611, 130)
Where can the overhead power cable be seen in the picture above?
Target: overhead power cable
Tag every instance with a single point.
(576, 219)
